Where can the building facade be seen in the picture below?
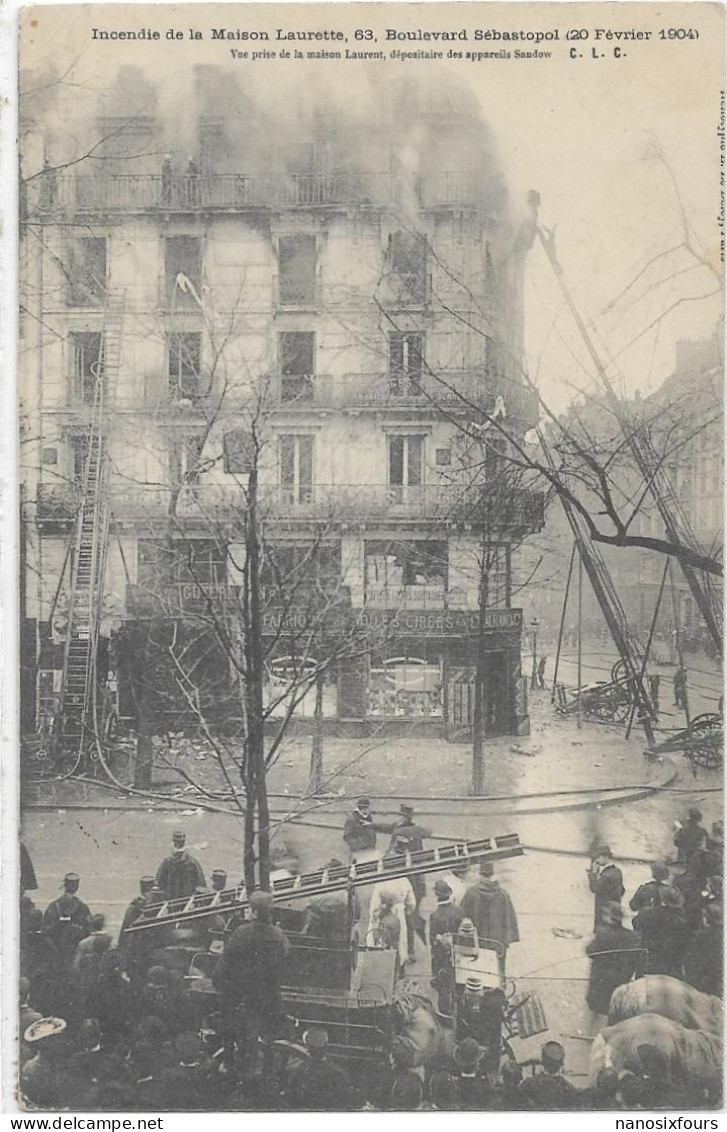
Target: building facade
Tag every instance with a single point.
(336, 318)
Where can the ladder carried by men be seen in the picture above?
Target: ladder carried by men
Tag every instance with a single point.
(76, 706)
(339, 878)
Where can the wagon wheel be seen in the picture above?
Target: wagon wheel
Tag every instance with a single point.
(611, 708)
(706, 741)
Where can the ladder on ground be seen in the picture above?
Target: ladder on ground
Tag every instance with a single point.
(340, 878)
(88, 562)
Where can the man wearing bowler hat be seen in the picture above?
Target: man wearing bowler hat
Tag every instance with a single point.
(360, 829)
(491, 910)
(443, 924)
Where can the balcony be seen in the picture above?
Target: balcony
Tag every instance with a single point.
(143, 192)
(466, 391)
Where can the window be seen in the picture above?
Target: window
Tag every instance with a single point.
(296, 469)
(184, 560)
(297, 365)
(411, 573)
(405, 465)
(49, 455)
(185, 458)
(297, 270)
(238, 452)
(183, 350)
(405, 363)
(299, 158)
(408, 260)
(87, 355)
(79, 455)
(86, 272)
(182, 267)
(443, 457)
(301, 567)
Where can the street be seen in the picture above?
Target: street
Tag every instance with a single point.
(111, 848)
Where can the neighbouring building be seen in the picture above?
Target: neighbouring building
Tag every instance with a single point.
(341, 297)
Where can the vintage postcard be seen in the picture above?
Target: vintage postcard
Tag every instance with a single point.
(370, 386)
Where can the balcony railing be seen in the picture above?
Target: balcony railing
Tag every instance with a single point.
(520, 514)
(153, 191)
(450, 389)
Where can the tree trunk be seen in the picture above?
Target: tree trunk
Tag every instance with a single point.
(315, 781)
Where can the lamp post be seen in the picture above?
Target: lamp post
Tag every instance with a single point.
(534, 674)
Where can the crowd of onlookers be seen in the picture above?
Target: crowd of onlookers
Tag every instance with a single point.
(112, 1025)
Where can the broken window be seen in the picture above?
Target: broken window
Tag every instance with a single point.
(86, 272)
(406, 350)
(185, 458)
(296, 468)
(297, 365)
(79, 454)
(184, 350)
(297, 270)
(87, 362)
(238, 452)
(408, 264)
(183, 271)
(184, 560)
(413, 572)
(405, 465)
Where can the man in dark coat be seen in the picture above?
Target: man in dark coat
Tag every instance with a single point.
(318, 1084)
(704, 957)
(41, 964)
(491, 910)
(605, 881)
(66, 922)
(134, 909)
(443, 923)
(548, 1090)
(615, 956)
(664, 931)
(360, 829)
(251, 968)
(649, 894)
(180, 874)
(690, 837)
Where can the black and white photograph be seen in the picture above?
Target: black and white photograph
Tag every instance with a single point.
(369, 740)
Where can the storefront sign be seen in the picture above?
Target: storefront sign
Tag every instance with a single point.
(176, 600)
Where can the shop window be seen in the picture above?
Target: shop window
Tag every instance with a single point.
(406, 458)
(404, 687)
(408, 261)
(183, 271)
(184, 356)
(296, 349)
(86, 272)
(87, 361)
(406, 352)
(297, 270)
(296, 469)
(411, 574)
(290, 686)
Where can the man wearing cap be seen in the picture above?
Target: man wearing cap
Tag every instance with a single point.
(180, 874)
(548, 1090)
(408, 837)
(492, 912)
(615, 954)
(443, 924)
(134, 909)
(327, 915)
(360, 829)
(316, 1084)
(690, 837)
(251, 968)
(605, 881)
(649, 894)
(665, 931)
(67, 920)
